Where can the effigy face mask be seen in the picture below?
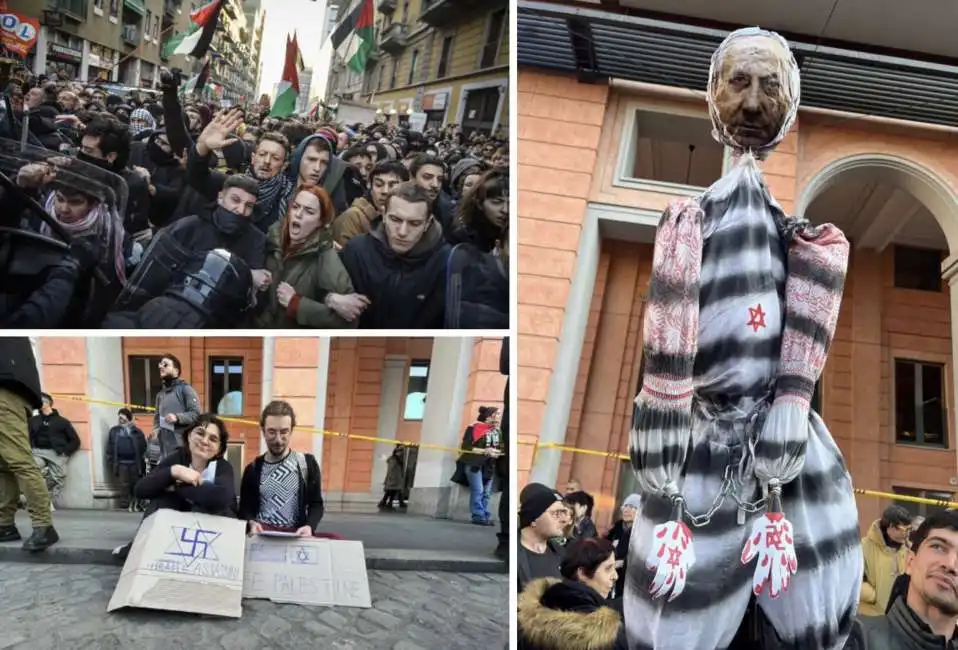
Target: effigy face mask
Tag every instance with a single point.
(753, 91)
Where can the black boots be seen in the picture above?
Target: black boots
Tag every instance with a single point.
(9, 534)
(41, 539)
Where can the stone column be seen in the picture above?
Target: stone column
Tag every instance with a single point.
(85, 61)
(391, 402)
(40, 53)
(951, 275)
(104, 382)
(269, 348)
(441, 425)
(322, 382)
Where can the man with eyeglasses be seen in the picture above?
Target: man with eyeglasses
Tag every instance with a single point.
(541, 510)
(177, 407)
(885, 552)
(282, 489)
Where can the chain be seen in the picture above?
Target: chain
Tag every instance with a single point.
(728, 482)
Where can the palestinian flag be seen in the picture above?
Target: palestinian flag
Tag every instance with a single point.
(285, 104)
(300, 65)
(195, 41)
(354, 38)
(197, 82)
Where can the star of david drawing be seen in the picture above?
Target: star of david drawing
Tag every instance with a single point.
(675, 555)
(304, 555)
(193, 544)
(756, 318)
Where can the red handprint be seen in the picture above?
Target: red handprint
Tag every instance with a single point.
(671, 557)
(774, 545)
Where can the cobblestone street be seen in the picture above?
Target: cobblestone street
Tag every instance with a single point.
(63, 607)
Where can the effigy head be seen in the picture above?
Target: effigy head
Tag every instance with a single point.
(753, 91)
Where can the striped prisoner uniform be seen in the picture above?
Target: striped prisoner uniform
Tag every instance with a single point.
(742, 307)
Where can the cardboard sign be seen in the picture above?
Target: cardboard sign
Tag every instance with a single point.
(185, 562)
(306, 571)
(18, 33)
(417, 122)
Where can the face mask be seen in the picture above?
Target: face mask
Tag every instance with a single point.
(158, 155)
(229, 223)
(102, 163)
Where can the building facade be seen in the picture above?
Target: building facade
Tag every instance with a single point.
(352, 387)
(122, 41)
(448, 59)
(610, 134)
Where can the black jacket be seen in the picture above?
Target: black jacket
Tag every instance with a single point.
(18, 369)
(899, 629)
(623, 535)
(502, 463)
(478, 293)
(405, 291)
(139, 449)
(567, 615)
(311, 506)
(200, 234)
(217, 498)
(524, 571)
(53, 432)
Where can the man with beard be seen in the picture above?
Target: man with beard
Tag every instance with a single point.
(315, 162)
(177, 406)
(281, 489)
(53, 440)
(269, 158)
(359, 218)
(928, 614)
(429, 173)
(400, 265)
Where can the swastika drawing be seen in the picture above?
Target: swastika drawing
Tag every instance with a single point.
(194, 543)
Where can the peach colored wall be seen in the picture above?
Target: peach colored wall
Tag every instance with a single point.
(876, 324)
(486, 384)
(294, 380)
(64, 372)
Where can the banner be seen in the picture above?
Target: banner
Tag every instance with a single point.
(18, 33)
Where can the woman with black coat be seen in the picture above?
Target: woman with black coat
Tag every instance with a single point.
(194, 478)
(574, 613)
(621, 535)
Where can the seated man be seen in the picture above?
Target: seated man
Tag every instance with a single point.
(928, 614)
(281, 489)
(53, 440)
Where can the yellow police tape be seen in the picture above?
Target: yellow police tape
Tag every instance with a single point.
(255, 423)
(871, 493)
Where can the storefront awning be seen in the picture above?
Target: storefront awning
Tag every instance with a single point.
(605, 44)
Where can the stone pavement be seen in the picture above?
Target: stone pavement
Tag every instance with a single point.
(63, 607)
(392, 541)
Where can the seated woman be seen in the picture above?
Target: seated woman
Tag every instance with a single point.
(573, 613)
(310, 286)
(194, 478)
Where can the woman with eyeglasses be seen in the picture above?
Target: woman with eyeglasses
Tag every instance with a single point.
(195, 478)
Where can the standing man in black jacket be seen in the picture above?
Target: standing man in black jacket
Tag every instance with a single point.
(19, 395)
(281, 489)
(54, 440)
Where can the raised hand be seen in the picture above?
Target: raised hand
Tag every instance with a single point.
(671, 557)
(218, 134)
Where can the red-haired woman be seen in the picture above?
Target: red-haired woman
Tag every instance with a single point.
(310, 286)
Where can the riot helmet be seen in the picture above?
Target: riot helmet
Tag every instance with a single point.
(219, 284)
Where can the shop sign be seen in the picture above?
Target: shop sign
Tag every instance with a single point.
(434, 101)
(18, 33)
(66, 53)
(95, 60)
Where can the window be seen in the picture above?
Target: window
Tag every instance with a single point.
(144, 380)
(381, 74)
(445, 59)
(672, 150)
(114, 7)
(917, 268)
(416, 391)
(920, 416)
(226, 385)
(494, 30)
(412, 67)
(921, 509)
(392, 77)
(146, 25)
(156, 27)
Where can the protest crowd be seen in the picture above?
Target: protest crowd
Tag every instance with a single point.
(160, 211)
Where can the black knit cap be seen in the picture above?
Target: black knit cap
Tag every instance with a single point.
(534, 500)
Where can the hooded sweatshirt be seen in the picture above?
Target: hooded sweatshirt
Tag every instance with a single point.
(340, 180)
(883, 564)
(406, 291)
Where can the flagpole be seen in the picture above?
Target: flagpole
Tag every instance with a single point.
(137, 48)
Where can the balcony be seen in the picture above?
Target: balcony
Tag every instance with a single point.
(137, 6)
(230, 8)
(394, 38)
(442, 13)
(169, 10)
(75, 9)
(131, 35)
(387, 7)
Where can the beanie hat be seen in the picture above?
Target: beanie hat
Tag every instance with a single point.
(461, 167)
(330, 135)
(534, 500)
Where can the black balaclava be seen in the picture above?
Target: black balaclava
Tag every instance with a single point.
(157, 154)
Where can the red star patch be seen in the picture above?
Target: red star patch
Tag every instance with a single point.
(756, 318)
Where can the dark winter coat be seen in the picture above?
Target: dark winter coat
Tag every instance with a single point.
(405, 291)
(585, 528)
(314, 270)
(138, 439)
(567, 615)
(621, 534)
(525, 574)
(95, 290)
(198, 233)
(217, 498)
(179, 398)
(478, 295)
(18, 369)
(395, 477)
(53, 432)
(311, 505)
(900, 629)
